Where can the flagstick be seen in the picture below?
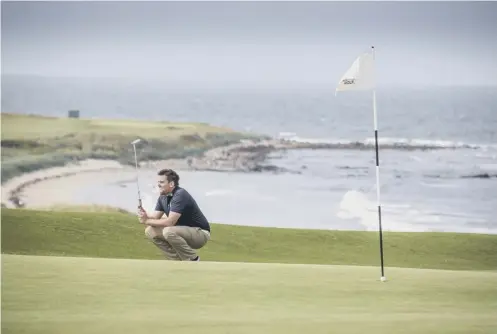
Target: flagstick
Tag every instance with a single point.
(378, 178)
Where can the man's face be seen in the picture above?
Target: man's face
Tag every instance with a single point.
(164, 186)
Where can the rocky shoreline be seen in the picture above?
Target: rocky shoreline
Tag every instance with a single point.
(246, 156)
(249, 156)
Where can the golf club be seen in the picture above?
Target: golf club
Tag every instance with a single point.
(134, 142)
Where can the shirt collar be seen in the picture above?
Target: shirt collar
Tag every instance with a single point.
(171, 194)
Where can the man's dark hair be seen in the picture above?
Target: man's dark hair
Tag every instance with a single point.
(171, 175)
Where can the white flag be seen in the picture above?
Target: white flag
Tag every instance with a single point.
(359, 76)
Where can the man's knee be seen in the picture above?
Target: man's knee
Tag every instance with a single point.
(169, 233)
(151, 233)
(194, 237)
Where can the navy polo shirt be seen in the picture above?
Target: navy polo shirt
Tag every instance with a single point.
(181, 201)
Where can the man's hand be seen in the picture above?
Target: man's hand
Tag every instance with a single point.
(142, 215)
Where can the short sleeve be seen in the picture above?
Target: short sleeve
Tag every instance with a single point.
(158, 206)
(179, 203)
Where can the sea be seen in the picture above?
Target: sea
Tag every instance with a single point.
(437, 151)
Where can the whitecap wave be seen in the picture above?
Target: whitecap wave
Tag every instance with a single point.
(384, 143)
(395, 217)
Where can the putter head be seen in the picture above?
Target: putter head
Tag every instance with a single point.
(136, 141)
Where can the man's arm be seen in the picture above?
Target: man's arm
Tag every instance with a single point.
(164, 222)
(156, 215)
(178, 205)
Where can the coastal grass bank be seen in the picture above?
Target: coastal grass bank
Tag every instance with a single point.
(34, 142)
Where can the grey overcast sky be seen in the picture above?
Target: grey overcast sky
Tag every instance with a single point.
(254, 42)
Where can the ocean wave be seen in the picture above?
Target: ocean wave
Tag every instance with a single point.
(404, 217)
(383, 143)
(482, 175)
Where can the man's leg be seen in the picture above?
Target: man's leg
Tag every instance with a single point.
(156, 236)
(185, 239)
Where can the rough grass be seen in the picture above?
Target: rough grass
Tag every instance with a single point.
(116, 235)
(32, 142)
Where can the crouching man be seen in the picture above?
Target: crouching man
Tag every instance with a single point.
(184, 227)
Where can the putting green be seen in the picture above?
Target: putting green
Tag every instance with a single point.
(95, 295)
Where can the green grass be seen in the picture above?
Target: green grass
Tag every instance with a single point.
(81, 295)
(32, 142)
(35, 127)
(86, 272)
(115, 235)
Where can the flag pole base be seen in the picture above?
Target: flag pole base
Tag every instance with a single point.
(383, 279)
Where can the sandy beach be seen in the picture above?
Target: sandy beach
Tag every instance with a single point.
(63, 190)
(14, 189)
(51, 186)
(54, 186)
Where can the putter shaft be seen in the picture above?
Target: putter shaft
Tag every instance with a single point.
(136, 167)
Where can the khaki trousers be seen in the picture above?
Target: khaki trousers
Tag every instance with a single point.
(178, 242)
